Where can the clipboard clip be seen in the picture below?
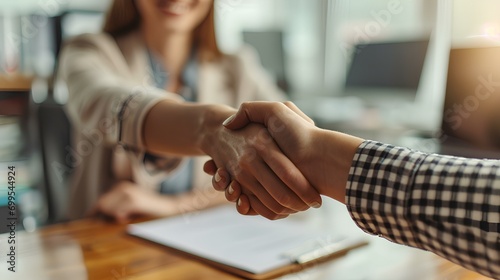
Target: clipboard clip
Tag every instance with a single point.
(321, 248)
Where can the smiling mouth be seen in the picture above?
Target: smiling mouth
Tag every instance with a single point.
(176, 8)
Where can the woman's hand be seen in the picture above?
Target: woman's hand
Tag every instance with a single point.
(126, 200)
(252, 158)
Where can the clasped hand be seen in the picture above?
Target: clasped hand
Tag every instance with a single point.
(282, 136)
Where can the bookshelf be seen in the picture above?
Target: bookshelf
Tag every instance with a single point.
(16, 147)
(15, 82)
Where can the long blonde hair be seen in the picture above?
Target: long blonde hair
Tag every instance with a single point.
(123, 17)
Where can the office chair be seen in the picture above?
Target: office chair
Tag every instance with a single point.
(54, 133)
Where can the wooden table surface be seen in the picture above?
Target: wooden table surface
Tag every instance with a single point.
(96, 249)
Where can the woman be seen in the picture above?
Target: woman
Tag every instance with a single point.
(127, 87)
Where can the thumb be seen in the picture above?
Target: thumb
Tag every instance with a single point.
(249, 112)
(261, 112)
(297, 111)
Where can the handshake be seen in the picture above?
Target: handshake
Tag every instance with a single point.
(287, 162)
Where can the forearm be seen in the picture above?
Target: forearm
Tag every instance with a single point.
(182, 128)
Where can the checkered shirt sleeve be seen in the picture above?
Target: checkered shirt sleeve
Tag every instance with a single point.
(447, 205)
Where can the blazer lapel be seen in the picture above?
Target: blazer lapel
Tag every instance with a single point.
(135, 52)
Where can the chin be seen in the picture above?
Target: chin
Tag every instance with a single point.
(175, 29)
(174, 8)
(180, 15)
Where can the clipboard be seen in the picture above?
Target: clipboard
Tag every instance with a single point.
(250, 247)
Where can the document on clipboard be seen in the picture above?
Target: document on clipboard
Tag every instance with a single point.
(249, 246)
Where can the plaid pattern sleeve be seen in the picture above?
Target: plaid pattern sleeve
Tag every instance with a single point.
(447, 205)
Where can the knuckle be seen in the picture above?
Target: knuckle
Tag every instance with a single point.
(274, 216)
(247, 158)
(289, 177)
(263, 139)
(279, 210)
(308, 194)
(245, 104)
(277, 108)
(303, 207)
(301, 187)
(235, 170)
(260, 147)
(284, 199)
(245, 107)
(127, 194)
(311, 197)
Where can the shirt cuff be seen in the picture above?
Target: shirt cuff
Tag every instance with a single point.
(378, 190)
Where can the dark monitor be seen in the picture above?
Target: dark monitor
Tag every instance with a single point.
(269, 45)
(387, 65)
(471, 109)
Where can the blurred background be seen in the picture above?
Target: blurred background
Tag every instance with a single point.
(418, 73)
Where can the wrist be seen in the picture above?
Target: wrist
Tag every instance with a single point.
(334, 153)
(162, 205)
(211, 125)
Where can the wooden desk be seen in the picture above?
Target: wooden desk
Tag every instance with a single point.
(95, 249)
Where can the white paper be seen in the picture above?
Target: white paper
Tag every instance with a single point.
(221, 234)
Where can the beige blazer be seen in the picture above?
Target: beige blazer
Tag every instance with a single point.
(109, 80)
